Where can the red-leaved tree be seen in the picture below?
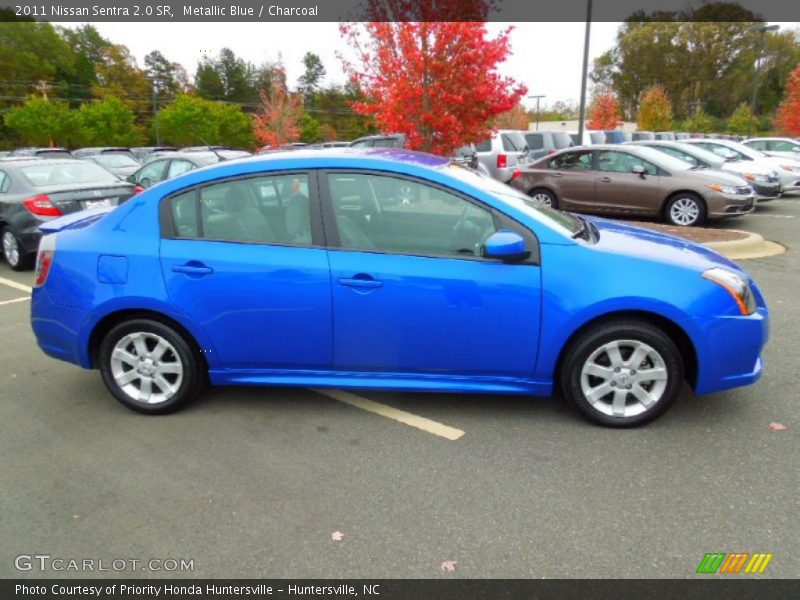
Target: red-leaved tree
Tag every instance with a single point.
(516, 118)
(277, 118)
(436, 82)
(787, 118)
(604, 112)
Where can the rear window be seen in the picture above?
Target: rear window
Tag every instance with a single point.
(513, 142)
(535, 141)
(484, 146)
(562, 140)
(55, 154)
(76, 172)
(112, 161)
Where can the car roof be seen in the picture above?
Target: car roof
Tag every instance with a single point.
(39, 161)
(394, 155)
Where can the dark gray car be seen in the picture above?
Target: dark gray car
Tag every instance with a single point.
(120, 165)
(38, 190)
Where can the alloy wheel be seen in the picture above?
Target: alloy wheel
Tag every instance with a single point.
(10, 248)
(146, 367)
(543, 198)
(624, 378)
(684, 211)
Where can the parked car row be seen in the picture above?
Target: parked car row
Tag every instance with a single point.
(682, 182)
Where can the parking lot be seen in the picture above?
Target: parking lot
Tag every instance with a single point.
(255, 481)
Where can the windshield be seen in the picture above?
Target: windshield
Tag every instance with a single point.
(67, 173)
(488, 184)
(702, 155)
(665, 161)
(112, 161)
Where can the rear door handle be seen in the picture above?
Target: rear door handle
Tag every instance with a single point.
(605, 179)
(359, 283)
(556, 174)
(193, 268)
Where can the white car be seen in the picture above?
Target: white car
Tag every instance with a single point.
(776, 146)
(788, 168)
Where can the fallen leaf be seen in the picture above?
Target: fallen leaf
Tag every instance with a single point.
(449, 565)
(337, 536)
(777, 426)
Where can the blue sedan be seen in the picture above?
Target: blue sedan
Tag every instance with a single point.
(312, 268)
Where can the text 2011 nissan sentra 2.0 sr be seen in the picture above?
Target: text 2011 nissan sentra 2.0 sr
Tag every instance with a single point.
(307, 269)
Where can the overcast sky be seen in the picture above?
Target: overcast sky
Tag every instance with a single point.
(546, 57)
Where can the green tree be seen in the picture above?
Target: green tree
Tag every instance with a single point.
(739, 123)
(310, 129)
(167, 79)
(655, 110)
(311, 79)
(230, 78)
(108, 122)
(190, 120)
(39, 122)
(700, 122)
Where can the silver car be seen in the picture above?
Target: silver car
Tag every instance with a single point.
(503, 153)
(788, 169)
(775, 146)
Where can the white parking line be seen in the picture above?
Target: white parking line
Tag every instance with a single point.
(17, 286)
(434, 427)
(23, 299)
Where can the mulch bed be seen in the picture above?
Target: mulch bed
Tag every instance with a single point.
(695, 234)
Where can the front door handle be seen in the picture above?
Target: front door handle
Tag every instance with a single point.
(363, 282)
(193, 268)
(605, 179)
(556, 174)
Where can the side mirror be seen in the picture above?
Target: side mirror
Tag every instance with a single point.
(639, 170)
(505, 245)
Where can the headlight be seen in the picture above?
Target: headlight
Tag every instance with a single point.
(723, 189)
(791, 168)
(736, 286)
(758, 178)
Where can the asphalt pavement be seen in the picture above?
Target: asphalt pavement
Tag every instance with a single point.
(257, 482)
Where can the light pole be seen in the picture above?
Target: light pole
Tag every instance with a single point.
(584, 72)
(762, 29)
(537, 108)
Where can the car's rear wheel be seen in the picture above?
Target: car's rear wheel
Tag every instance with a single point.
(686, 210)
(13, 252)
(622, 373)
(544, 196)
(150, 367)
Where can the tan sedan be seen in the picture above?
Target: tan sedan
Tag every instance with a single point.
(634, 181)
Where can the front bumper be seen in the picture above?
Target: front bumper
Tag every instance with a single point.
(767, 191)
(729, 205)
(730, 353)
(790, 181)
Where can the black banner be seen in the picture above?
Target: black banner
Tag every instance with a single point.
(396, 589)
(395, 10)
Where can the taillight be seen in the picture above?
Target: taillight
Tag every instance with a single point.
(516, 174)
(44, 259)
(551, 151)
(138, 190)
(41, 206)
(502, 161)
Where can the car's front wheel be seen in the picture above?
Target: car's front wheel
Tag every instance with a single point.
(150, 367)
(622, 373)
(686, 210)
(13, 252)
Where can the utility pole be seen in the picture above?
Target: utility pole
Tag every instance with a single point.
(44, 87)
(762, 29)
(537, 108)
(584, 71)
(154, 88)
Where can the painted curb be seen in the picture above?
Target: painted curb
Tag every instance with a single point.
(752, 246)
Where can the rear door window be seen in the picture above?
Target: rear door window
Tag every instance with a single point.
(573, 161)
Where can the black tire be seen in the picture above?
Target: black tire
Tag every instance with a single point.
(193, 377)
(23, 261)
(552, 199)
(687, 199)
(584, 350)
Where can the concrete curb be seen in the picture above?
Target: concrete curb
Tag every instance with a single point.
(752, 246)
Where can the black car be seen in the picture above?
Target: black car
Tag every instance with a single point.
(38, 190)
(173, 164)
(43, 152)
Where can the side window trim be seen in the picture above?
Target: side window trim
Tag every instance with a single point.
(168, 229)
(501, 220)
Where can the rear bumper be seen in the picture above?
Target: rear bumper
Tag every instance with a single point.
(731, 352)
(58, 329)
